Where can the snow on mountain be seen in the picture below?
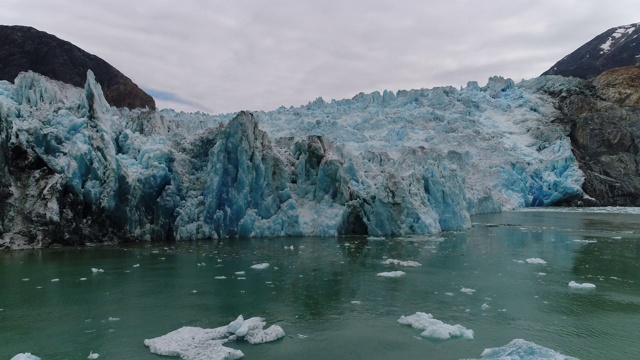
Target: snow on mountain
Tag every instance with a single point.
(413, 162)
(616, 47)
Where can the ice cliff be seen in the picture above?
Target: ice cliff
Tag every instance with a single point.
(75, 170)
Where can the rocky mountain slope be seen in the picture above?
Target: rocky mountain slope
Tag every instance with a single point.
(24, 48)
(604, 119)
(616, 47)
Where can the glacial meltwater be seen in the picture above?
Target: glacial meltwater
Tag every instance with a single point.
(505, 278)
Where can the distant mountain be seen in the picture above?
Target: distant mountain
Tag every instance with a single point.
(616, 47)
(24, 48)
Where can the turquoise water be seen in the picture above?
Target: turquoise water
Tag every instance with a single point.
(327, 290)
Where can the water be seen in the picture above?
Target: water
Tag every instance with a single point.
(327, 290)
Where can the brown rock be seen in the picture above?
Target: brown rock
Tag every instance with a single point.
(620, 86)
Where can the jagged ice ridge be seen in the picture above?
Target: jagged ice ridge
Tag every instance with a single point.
(411, 162)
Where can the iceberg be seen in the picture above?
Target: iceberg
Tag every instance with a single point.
(194, 343)
(25, 356)
(434, 328)
(407, 263)
(74, 169)
(575, 285)
(392, 274)
(519, 349)
(536, 261)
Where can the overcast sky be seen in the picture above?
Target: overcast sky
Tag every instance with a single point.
(226, 56)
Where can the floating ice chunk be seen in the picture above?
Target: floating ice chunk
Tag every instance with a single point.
(486, 306)
(55, 280)
(519, 261)
(194, 343)
(194, 291)
(136, 265)
(449, 293)
(519, 349)
(467, 290)
(235, 324)
(375, 238)
(575, 285)
(83, 279)
(96, 270)
(542, 274)
(259, 336)
(407, 263)
(581, 241)
(26, 279)
(536, 261)
(114, 318)
(25, 356)
(434, 328)
(239, 273)
(93, 355)
(302, 336)
(616, 237)
(288, 247)
(356, 302)
(260, 266)
(220, 277)
(392, 274)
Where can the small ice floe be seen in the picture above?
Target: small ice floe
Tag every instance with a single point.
(198, 343)
(114, 318)
(201, 264)
(407, 263)
(502, 310)
(220, 277)
(194, 291)
(486, 306)
(542, 274)
(375, 237)
(575, 285)
(239, 272)
(260, 266)
(356, 302)
(435, 329)
(25, 356)
(391, 274)
(467, 290)
(300, 336)
(55, 280)
(521, 349)
(136, 265)
(616, 237)
(96, 270)
(581, 241)
(83, 279)
(288, 247)
(26, 279)
(537, 261)
(242, 278)
(93, 355)
(449, 293)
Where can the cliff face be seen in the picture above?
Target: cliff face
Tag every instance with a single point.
(24, 48)
(604, 117)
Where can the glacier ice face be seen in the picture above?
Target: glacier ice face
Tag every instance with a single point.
(73, 169)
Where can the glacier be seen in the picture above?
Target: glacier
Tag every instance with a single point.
(75, 170)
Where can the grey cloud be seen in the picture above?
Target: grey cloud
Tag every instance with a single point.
(224, 56)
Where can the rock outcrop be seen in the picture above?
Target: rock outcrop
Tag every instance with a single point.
(616, 47)
(24, 48)
(604, 118)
